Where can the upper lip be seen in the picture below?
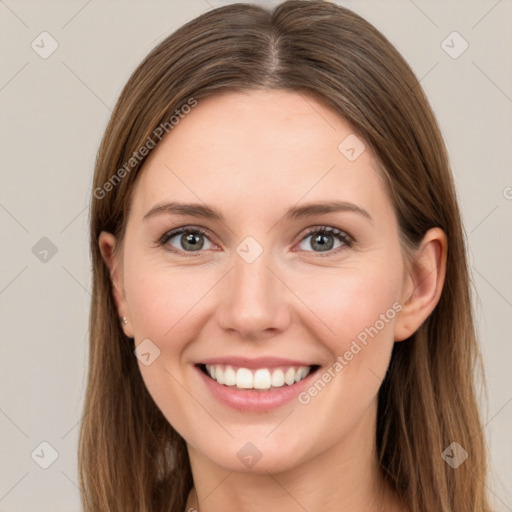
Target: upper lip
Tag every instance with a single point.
(257, 362)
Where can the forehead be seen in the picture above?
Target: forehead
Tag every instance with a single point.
(261, 149)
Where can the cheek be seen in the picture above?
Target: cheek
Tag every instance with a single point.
(163, 300)
(345, 303)
(357, 310)
(366, 311)
(163, 309)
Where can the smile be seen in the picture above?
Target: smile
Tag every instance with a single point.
(259, 378)
(255, 390)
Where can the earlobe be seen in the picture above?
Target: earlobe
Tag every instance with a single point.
(423, 284)
(106, 242)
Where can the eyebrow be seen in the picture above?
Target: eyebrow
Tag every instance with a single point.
(296, 212)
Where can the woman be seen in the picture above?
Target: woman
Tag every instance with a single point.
(281, 313)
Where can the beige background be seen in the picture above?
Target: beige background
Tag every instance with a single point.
(53, 113)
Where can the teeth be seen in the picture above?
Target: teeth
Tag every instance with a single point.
(219, 375)
(229, 376)
(303, 373)
(262, 378)
(289, 376)
(244, 378)
(277, 379)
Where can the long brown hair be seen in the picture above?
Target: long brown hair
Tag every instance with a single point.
(130, 457)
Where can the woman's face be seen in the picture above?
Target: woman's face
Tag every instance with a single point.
(262, 282)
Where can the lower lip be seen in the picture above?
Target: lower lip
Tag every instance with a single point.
(250, 400)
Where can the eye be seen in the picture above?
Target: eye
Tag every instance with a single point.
(188, 239)
(324, 239)
(191, 240)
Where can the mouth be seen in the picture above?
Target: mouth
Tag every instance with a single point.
(257, 379)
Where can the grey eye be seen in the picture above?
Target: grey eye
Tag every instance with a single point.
(188, 240)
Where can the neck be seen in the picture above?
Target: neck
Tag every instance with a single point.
(346, 478)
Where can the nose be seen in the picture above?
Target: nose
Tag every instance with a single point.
(255, 300)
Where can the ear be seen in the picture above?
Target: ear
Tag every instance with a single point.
(423, 283)
(107, 242)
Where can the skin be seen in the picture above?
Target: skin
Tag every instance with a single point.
(252, 155)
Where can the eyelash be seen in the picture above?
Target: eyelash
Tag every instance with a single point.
(343, 237)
